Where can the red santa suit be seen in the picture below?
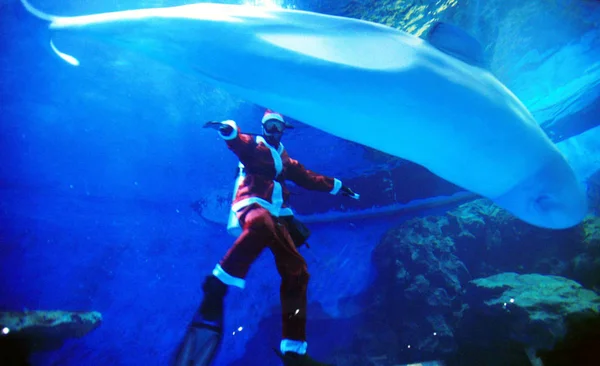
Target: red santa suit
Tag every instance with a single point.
(260, 199)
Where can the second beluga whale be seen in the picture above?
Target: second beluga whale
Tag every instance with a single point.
(361, 81)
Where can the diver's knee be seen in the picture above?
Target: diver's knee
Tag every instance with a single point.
(258, 219)
(297, 279)
(304, 277)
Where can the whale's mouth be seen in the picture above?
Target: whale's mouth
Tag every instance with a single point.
(544, 202)
(550, 209)
(555, 213)
(550, 198)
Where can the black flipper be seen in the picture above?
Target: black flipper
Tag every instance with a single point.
(204, 335)
(199, 347)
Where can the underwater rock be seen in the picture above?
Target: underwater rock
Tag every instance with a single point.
(30, 331)
(580, 344)
(419, 286)
(425, 263)
(585, 266)
(489, 240)
(481, 239)
(529, 309)
(593, 191)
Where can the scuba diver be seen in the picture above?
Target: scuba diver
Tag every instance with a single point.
(260, 217)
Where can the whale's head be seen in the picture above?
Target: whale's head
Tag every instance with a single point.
(550, 197)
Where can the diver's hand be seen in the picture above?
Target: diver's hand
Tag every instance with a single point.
(225, 129)
(349, 193)
(214, 125)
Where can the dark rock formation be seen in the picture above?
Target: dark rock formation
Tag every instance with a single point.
(593, 190)
(419, 287)
(490, 240)
(580, 344)
(425, 264)
(585, 266)
(30, 331)
(529, 309)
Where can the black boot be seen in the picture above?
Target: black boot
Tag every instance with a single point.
(210, 312)
(205, 333)
(295, 359)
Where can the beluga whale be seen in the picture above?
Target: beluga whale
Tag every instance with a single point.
(428, 100)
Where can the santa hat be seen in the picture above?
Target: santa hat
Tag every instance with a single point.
(269, 114)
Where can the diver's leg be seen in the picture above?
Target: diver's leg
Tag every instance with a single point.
(293, 296)
(210, 312)
(205, 332)
(257, 232)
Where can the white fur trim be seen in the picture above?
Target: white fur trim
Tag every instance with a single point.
(286, 212)
(276, 154)
(274, 207)
(226, 278)
(233, 224)
(337, 185)
(269, 116)
(251, 200)
(235, 130)
(289, 345)
(277, 196)
(274, 210)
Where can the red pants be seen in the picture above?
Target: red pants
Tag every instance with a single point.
(261, 230)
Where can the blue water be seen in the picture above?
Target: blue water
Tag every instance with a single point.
(98, 170)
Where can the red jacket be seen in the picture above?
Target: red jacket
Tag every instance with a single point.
(265, 171)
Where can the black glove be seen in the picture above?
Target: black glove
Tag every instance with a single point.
(222, 127)
(349, 193)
